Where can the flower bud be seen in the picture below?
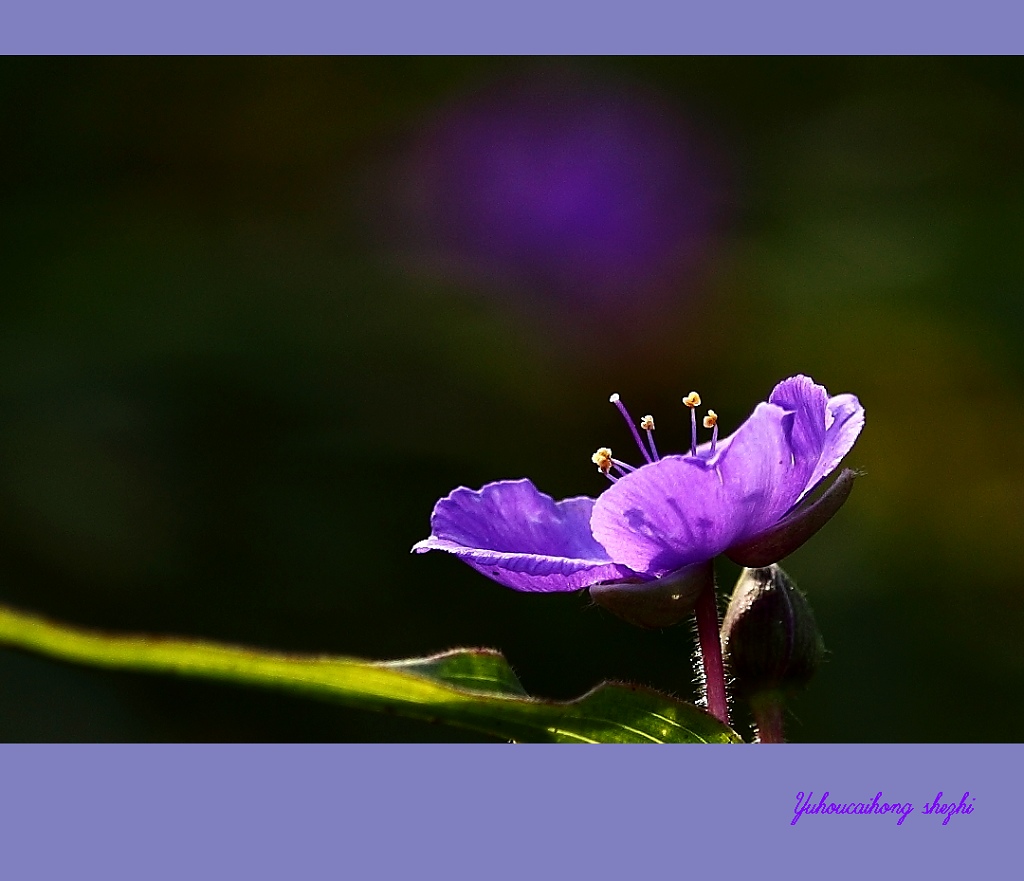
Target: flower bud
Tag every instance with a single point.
(770, 640)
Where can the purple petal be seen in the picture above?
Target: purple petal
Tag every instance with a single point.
(824, 429)
(780, 540)
(522, 538)
(683, 509)
(809, 402)
(845, 419)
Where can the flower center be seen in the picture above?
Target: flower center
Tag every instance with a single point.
(603, 457)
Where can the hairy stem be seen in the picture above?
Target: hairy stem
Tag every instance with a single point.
(711, 653)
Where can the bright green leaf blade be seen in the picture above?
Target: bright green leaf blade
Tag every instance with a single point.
(468, 669)
(469, 688)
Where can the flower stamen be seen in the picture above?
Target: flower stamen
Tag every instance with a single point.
(602, 459)
(711, 421)
(692, 400)
(604, 462)
(647, 424)
(614, 399)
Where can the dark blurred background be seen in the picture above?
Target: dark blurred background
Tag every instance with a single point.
(258, 315)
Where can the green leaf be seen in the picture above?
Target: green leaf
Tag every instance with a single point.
(469, 669)
(470, 688)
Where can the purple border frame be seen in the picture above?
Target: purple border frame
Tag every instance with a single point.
(497, 812)
(525, 27)
(314, 811)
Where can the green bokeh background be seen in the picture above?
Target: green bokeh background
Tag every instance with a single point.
(227, 404)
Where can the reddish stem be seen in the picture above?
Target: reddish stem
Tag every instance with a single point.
(706, 611)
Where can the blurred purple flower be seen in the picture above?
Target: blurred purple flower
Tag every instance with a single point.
(566, 187)
(739, 496)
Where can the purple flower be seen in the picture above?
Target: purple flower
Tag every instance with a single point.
(743, 496)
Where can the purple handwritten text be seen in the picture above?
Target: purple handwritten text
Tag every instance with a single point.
(950, 808)
(824, 806)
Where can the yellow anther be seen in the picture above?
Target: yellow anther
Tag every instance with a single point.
(647, 423)
(711, 420)
(602, 459)
(692, 400)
